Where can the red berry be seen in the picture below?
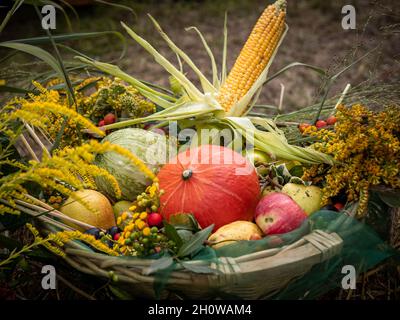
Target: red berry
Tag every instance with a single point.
(303, 126)
(331, 120)
(154, 219)
(321, 124)
(101, 123)
(116, 236)
(338, 206)
(109, 118)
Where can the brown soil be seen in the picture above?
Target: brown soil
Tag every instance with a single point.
(315, 37)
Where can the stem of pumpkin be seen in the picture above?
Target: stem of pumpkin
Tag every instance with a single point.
(186, 174)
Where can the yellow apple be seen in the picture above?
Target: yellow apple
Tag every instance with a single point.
(307, 197)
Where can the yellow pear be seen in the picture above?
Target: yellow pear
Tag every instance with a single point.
(101, 215)
(307, 197)
(235, 231)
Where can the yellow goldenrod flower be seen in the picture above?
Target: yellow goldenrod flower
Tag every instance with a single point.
(143, 216)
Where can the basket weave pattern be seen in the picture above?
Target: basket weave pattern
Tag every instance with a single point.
(251, 276)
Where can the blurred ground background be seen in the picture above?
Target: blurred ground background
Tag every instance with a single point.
(315, 37)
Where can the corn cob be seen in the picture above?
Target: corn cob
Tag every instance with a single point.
(255, 55)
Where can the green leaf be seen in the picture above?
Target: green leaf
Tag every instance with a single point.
(172, 234)
(185, 234)
(297, 171)
(13, 89)
(158, 265)
(206, 85)
(196, 243)
(186, 220)
(190, 88)
(37, 52)
(391, 198)
(216, 83)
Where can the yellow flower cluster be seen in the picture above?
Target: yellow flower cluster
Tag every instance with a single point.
(112, 95)
(55, 241)
(64, 171)
(49, 112)
(51, 242)
(67, 236)
(365, 145)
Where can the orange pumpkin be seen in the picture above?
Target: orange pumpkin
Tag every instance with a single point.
(214, 183)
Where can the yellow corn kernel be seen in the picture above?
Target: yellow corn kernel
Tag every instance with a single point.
(255, 55)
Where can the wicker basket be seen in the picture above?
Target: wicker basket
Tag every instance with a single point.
(253, 276)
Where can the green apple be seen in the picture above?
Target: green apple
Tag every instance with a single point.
(257, 156)
(120, 207)
(307, 197)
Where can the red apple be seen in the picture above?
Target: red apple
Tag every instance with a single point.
(154, 219)
(278, 213)
(109, 118)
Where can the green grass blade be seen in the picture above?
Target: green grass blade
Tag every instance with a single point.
(224, 50)
(75, 36)
(320, 71)
(71, 94)
(118, 6)
(329, 82)
(37, 52)
(9, 14)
